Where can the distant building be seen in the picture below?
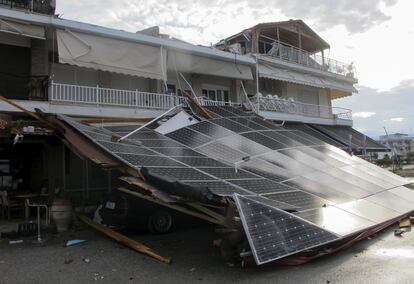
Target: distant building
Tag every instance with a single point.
(400, 144)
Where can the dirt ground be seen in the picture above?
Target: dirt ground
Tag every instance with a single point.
(382, 259)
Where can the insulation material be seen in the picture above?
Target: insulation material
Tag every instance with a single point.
(112, 55)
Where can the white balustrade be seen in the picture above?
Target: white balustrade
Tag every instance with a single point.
(298, 108)
(65, 93)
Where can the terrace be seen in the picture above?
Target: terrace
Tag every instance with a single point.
(286, 52)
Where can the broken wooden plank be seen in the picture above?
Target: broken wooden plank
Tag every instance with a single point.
(405, 223)
(32, 114)
(125, 240)
(197, 104)
(165, 197)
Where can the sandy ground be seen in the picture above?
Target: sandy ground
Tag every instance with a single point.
(382, 259)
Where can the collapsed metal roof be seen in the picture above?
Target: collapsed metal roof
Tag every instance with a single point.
(291, 191)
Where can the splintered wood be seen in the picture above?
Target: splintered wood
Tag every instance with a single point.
(125, 240)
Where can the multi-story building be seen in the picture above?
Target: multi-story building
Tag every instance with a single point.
(87, 110)
(92, 73)
(100, 74)
(400, 144)
(296, 83)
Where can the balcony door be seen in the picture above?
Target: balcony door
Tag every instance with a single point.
(14, 71)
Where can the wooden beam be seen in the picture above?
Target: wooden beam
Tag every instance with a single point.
(125, 240)
(200, 107)
(32, 114)
(173, 206)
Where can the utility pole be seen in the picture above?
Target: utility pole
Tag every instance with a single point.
(394, 155)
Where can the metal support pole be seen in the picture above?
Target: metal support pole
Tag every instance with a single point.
(97, 96)
(39, 238)
(257, 85)
(148, 123)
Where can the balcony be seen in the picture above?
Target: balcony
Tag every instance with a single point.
(38, 6)
(295, 55)
(98, 96)
(96, 101)
(107, 102)
(276, 108)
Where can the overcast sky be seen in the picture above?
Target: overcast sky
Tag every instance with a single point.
(377, 35)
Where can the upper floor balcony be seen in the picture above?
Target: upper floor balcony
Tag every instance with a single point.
(37, 6)
(96, 101)
(276, 108)
(290, 53)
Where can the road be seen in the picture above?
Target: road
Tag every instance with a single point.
(382, 259)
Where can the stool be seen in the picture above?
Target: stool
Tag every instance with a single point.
(38, 206)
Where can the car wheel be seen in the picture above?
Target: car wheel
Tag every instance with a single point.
(160, 222)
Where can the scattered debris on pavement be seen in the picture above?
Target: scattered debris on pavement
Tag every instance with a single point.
(71, 243)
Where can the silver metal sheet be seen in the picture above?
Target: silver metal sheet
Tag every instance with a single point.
(304, 158)
(403, 192)
(299, 199)
(354, 180)
(391, 201)
(336, 220)
(338, 184)
(369, 210)
(318, 189)
(366, 176)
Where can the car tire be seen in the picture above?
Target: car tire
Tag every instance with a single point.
(161, 222)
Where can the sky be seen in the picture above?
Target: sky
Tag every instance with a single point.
(377, 35)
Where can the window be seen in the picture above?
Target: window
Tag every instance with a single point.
(214, 94)
(171, 89)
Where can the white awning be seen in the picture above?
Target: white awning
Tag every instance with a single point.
(190, 63)
(111, 55)
(275, 73)
(22, 28)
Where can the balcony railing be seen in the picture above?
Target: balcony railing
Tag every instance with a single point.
(293, 54)
(38, 6)
(204, 101)
(297, 108)
(98, 96)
